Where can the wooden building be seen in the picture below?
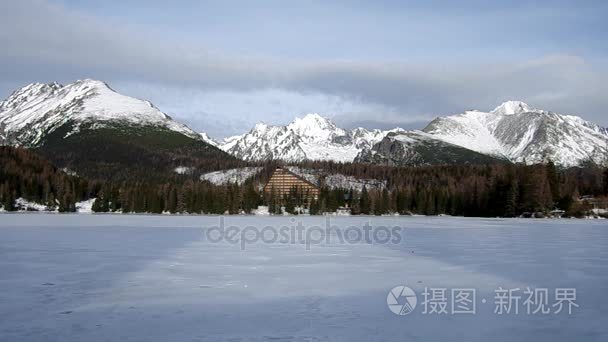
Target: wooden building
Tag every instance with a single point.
(282, 182)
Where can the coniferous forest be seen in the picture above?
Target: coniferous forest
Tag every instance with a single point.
(494, 190)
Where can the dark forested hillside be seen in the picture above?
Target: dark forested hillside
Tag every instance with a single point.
(25, 174)
(127, 152)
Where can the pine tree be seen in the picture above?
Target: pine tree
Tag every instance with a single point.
(512, 198)
(383, 203)
(605, 181)
(552, 178)
(250, 198)
(100, 205)
(314, 207)
(9, 200)
(290, 205)
(364, 202)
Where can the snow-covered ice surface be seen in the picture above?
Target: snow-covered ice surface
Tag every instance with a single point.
(154, 278)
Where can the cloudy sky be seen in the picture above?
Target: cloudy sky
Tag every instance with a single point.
(222, 66)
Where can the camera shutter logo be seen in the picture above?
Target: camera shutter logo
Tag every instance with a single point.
(401, 300)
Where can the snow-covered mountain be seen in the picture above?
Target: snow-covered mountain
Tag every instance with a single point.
(38, 109)
(310, 137)
(520, 133)
(98, 133)
(513, 131)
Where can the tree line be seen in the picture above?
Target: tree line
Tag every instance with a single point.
(504, 190)
(485, 191)
(25, 174)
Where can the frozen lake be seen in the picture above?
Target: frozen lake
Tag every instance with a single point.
(159, 278)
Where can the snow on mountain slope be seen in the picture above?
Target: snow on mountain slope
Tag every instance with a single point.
(363, 138)
(38, 109)
(415, 148)
(472, 130)
(206, 138)
(265, 142)
(567, 140)
(312, 137)
(520, 133)
(315, 127)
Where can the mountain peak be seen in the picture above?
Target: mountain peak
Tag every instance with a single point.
(312, 137)
(311, 122)
(260, 127)
(91, 83)
(512, 107)
(313, 116)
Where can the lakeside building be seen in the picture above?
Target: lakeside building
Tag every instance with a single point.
(283, 182)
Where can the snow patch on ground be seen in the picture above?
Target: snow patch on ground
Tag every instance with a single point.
(336, 180)
(24, 205)
(262, 210)
(311, 175)
(69, 172)
(339, 181)
(85, 207)
(182, 170)
(238, 175)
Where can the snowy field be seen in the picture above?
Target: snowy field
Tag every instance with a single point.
(158, 278)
